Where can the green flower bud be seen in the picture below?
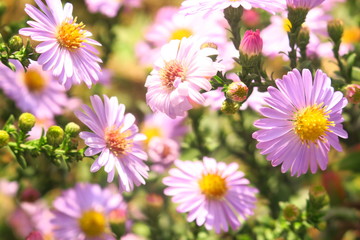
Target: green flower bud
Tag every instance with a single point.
(291, 212)
(303, 37)
(15, 43)
(237, 91)
(72, 128)
(335, 29)
(229, 107)
(318, 196)
(55, 135)
(4, 138)
(26, 122)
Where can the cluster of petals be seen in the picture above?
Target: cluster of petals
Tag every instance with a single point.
(65, 49)
(35, 91)
(302, 122)
(235, 196)
(183, 69)
(115, 137)
(308, 4)
(209, 6)
(84, 200)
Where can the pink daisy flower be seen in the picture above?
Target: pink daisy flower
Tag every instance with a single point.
(209, 6)
(82, 213)
(116, 138)
(178, 76)
(303, 121)
(66, 49)
(213, 193)
(34, 91)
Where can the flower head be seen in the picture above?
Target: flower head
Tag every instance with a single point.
(116, 138)
(34, 91)
(251, 44)
(178, 76)
(210, 6)
(66, 49)
(213, 193)
(82, 212)
(303, 121)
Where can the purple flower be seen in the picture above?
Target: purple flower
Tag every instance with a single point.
(82, 213)
(66, 49)
(303, 121)
(34, 91)
(116, 138)
(213, 193)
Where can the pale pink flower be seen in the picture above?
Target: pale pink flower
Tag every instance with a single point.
(8, 188)
(163, 152)
(182, 71)
(110, 8)
(66, 49)
(213, 193)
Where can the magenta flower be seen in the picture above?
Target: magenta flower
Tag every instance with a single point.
(251, 44)
(308, 4)
(209, 6)
(303, 121)
(116, 138)
(213, 193)
(82, 213)
(34, 91)
(66, 49)
(178, 76)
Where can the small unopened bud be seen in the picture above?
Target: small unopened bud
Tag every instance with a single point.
(318, 196)
(154, 200)
(72, 128)
(352, 93)
(229, 107)
(26, 122)
(30, 195)
(237, 91)
(15, 43)
(335, 29)
(34, 235)
(55, 135)
(209, 45)
(291, 212)
(4, 138)
(118, 216)
(303, 37)
(251, 18)
(251, 44)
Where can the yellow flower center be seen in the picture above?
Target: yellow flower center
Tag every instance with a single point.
(34, 81)
(312, 123)
(178, 34)
(92, 223)
(71, 34)
(151, 132)
(117, 141)
(287, 25)
(351, 35)
(213, 186)
(170, 72)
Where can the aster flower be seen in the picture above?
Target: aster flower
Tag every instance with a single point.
(213, 193)
(82, 212)
(163, 152)
(303, 121)
(34, 91)
(66, 49)
(209, 6)
(178, 76)
(116, 138)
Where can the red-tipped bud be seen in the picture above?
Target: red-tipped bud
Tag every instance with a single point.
(353, 93)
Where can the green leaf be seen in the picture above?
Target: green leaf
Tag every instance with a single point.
(356, 73)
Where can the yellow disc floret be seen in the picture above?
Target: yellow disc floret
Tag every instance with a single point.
(92, 223)
(116, 141)
(312, 123)
(34, 81)
(213, 186)
(71, 34)
(180, 33)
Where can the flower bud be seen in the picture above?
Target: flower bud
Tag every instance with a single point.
(72, 129)
(237, 91)
(335, 29)
(251, 18)
(318, 196)
(229, 107)
(303, 37)
(15, 43)
(353, 93)
(55, 135)
(291, 212)
(30, 195)
(154, 200)
(209, 45)
(251, 44)
(4, 138)
(26, 122)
